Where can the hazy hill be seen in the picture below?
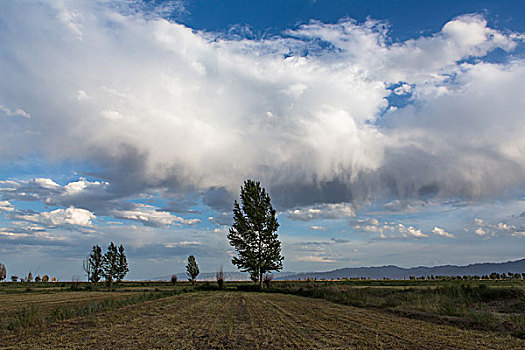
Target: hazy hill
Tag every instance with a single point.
(375, 272)
(395, 272)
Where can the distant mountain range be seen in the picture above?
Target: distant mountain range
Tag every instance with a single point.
(395, 272)
(376, 272)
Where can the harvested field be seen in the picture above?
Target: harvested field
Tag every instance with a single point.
(239, 320)
(43, 304)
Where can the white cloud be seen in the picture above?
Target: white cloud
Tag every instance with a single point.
(61, 217)
(45, 183)
(441, 232)
(484, 228)
(403, 89)
(190, 110)
(18, 112)
(74, 193)
(151, 216)
(6, 206)
(182, 244)
(388, 230)
(82, 95)
(318, 228)
(81, 186)
(323, 211)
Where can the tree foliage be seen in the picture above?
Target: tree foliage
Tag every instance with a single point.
(95, 263)
(122, 264)
(254, 233)
(3, 272)
(110, 264)
(192, 269)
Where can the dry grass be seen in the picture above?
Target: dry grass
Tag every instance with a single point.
(236, 320)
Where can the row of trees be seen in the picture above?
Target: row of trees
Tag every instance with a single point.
(113, 265)
(492, 276)
(28, 278)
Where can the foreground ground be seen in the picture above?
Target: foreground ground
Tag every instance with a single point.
(248, 320)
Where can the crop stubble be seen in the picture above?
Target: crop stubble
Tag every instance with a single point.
(226, 320)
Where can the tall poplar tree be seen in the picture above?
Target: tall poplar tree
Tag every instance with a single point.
(95, 261)
(254, 233)
(110, 264)
(122, 264)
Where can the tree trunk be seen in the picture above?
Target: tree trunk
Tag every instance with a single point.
(261, 280)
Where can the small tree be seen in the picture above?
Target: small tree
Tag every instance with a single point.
(95, 262)
(253, 233)
(192, 269)
(45, 278)
(122, 264)
(174, 279)
(37, 279)
(110, 264)
(3, 272)
(88, 268)
(220, 278)
(29, 277)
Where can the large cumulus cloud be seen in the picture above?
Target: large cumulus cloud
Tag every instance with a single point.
(158, 105)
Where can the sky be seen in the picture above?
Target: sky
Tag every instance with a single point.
(386, 132)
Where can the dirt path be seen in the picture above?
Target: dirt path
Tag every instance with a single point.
(215, 320)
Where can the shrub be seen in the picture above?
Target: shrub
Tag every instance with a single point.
(37, 279)
(174, 279)
(268, 280)
(45, 278)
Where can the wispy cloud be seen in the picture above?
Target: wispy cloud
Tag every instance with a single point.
(388, 230)
(323, 211)
(152, 216)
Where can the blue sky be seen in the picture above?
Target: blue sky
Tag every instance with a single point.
(387, 132)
